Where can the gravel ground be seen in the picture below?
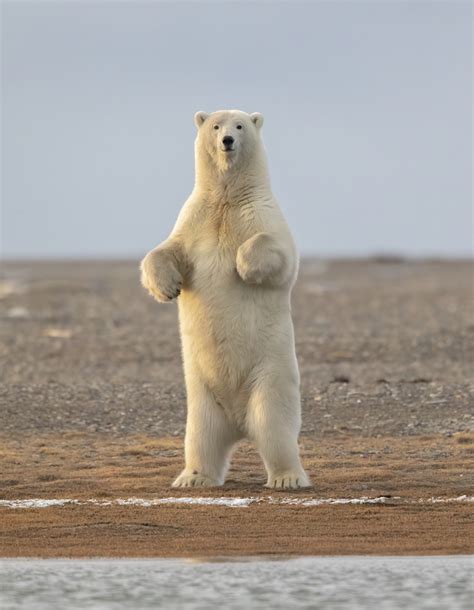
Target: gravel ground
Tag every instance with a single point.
(385, 349)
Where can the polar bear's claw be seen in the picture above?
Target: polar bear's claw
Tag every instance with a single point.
(194, 479)
(172, 295)
(288, 481)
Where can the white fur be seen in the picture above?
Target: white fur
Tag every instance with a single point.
(232, 261)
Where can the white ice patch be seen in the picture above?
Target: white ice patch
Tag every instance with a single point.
(227, 501)
(238, 502)
(448, 500)
(224, 501)
(45, 503)
(38, 502)
(324, 501)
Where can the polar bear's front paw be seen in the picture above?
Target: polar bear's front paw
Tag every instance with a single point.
(257, 261)
(160, 277)
(250, 274)
(288, 480)
(195, 479)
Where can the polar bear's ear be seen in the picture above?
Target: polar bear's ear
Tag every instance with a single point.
(199, 118)
(257, 119)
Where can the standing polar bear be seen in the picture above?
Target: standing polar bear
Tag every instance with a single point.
(232, 262)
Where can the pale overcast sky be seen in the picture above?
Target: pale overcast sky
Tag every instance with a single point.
(367, 111)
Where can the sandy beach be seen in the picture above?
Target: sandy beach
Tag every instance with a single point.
(92, 409)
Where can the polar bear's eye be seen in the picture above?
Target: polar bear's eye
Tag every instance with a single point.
(216, 126)
(239, 126)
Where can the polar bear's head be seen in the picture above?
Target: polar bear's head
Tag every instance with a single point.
(227, 138)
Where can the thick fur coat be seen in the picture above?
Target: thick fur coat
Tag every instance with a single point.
(231, 263)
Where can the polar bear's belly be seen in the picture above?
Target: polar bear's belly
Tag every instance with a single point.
(229, 328)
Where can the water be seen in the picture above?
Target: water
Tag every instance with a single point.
(314, 583)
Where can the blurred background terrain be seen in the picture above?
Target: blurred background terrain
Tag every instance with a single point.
(384, 347)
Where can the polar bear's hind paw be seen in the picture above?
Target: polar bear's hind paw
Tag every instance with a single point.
(288, 481)
(194, 479)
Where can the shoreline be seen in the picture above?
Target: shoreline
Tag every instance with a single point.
(210, 532)
(385, 496)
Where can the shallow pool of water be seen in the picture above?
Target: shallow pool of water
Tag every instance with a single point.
(312, 582)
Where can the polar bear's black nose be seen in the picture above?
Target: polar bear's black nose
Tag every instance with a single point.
(227, 141)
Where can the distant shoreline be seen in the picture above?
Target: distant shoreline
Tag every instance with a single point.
(382, 258)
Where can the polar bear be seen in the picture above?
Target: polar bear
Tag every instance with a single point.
(231, 263)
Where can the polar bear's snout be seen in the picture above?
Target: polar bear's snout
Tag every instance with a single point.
(228, 143)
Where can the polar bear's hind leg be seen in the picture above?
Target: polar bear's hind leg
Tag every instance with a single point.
(209, 439)
(273, 424)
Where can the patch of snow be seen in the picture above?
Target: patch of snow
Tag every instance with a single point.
(234, 502)
(439, 500)
(326, 501)
(38, 502)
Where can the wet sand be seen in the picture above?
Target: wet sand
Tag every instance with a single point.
(92, 406)
(406, 472)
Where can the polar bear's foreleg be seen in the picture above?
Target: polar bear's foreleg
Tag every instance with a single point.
(273, 424)
(162, 271)
(209, 439)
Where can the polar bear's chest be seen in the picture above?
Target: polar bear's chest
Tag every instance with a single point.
(214, 246)
(213, 262)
